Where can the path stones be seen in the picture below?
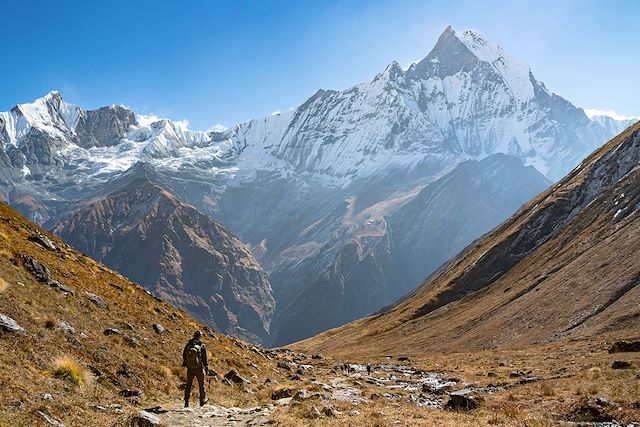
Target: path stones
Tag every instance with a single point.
(145, 419)
(7, 324)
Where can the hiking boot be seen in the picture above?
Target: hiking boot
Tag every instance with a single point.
(204, 402)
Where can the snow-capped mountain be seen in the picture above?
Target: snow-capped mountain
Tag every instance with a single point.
(302, 187)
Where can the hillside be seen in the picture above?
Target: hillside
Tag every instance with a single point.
(564, 266)
(77, 309)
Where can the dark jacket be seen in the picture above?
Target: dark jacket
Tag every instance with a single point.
(203, 353)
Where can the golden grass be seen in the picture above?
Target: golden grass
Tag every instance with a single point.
(67, 368)
(164, 371)
(6, 254)
(3, 285)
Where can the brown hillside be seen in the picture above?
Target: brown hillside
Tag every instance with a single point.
(90, 298)
(565, 265)
(141, 230)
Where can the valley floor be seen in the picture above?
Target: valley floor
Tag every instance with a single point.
(568, 383)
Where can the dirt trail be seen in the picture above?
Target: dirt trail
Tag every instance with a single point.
(340, 387)
(213, 415)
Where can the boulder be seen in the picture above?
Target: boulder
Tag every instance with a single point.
(620, 364)
(145, 419)
(50, 420)
(314, 412)
(40, 271)
(301, 395)
(66, 328)
(283, 393)
(236, 378)
(43, 241)
(158, 328)
(95, 299)
(403, 359)
(131, 393)
(330, 411)
(463, 400)
(61, 287)
(284, 365)
(132, 341)
(7, 324)
(112, 331)
(317, 356)
(625, 346)
(591, 410)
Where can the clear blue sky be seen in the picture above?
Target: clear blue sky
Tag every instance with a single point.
(227, 61)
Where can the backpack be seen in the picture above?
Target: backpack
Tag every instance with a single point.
(192, 357)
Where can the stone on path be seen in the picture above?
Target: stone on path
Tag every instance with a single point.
(145, 419)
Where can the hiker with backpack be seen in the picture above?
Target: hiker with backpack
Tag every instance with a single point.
(194, 358)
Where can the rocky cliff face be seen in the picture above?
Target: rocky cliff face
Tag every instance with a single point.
(140, 229)
(303, 187)
(566, 263)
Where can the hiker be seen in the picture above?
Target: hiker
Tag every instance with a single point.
(194, 358)
(368, 368)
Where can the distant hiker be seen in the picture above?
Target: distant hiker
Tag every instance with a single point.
(368, 368)
(194, 358)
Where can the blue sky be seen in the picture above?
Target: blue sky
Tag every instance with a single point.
(228, 61)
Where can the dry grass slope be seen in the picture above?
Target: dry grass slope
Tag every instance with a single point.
(67, 367)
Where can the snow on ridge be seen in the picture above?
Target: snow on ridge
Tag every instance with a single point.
(594, 112)
(514, 71)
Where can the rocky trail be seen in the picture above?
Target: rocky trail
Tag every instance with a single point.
(213, 415)
(325, 387)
